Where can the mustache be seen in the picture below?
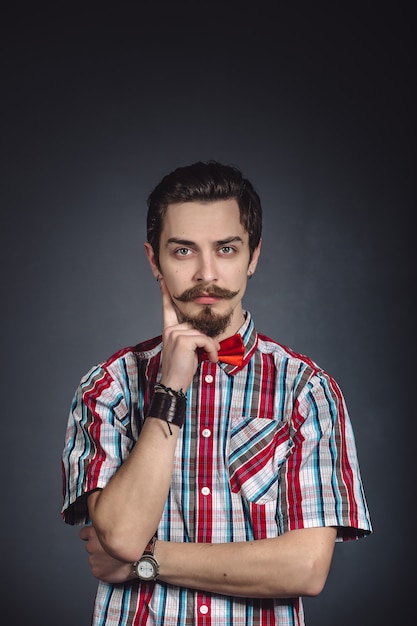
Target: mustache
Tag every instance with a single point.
(199, 290)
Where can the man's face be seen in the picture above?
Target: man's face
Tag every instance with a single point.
(204, 260)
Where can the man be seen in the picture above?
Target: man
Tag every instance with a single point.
(213, 491)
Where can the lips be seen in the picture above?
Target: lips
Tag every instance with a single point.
(206, 299)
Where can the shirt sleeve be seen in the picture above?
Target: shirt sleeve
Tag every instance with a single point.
(97, 440)
(321, 483)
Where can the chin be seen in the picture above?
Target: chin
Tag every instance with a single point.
(208, 322)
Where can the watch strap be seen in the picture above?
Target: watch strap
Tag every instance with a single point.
(150, 548)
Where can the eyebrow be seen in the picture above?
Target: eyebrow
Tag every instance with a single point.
(220, 242)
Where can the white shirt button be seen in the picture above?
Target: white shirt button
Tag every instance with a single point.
(205, 491)
(206, 432)
(204, 609)
(208, 378)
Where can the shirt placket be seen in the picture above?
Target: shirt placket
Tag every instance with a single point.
(205, 473)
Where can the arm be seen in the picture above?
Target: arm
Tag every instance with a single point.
(127, 511)
(295, 564)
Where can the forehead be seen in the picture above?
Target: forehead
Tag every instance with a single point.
(212, 220)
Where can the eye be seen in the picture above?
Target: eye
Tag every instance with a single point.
(182, 251)
(227, 250)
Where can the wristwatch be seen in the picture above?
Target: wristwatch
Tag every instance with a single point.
(147, 567)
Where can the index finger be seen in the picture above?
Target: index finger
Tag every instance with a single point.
(169, 315)
(86, 532)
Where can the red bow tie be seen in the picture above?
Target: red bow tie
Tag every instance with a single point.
(231, 351)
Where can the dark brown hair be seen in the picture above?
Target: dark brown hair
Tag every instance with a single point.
(204, 182)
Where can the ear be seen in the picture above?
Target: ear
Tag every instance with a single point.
(254, 260)
(152, 260)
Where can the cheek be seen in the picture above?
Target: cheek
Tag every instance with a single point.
(174, 282)
(241, 274)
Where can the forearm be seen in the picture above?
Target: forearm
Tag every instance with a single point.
(127, 511)
(292, 565)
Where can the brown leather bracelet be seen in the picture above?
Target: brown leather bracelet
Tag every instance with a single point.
(169, 408)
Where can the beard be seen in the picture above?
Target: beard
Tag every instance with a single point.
(207, 322)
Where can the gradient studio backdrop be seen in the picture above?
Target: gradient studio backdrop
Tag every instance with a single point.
(314, 104)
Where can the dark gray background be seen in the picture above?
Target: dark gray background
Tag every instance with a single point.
(314, 103)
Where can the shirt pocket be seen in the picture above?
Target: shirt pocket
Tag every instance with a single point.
(257, 449)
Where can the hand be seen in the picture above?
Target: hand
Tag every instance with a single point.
(180, 342)
(103, 566)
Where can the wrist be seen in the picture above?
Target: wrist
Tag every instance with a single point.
(172, 391)
(147, 567)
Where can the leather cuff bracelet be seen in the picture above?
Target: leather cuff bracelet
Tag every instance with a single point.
(168, 406)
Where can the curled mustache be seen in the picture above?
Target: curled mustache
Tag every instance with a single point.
(199, 290)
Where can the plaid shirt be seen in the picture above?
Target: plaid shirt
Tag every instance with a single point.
(266, 448)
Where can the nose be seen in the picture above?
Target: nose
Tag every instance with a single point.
(206, 269)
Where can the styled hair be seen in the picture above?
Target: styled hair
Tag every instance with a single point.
(204, 182)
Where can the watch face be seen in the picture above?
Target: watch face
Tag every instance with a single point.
(146, 568)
